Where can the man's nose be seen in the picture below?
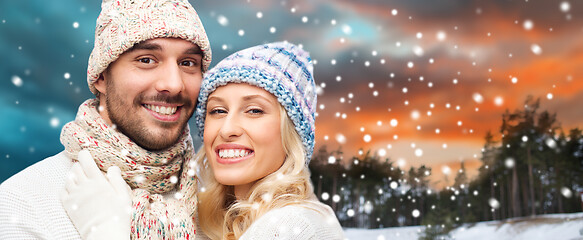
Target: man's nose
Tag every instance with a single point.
(170, 79)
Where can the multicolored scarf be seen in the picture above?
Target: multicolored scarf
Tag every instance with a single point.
(148, 173)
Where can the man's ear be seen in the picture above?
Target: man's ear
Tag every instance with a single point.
(100, 85)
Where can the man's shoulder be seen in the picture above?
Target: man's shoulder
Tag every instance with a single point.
(30, 206)
(47, 173)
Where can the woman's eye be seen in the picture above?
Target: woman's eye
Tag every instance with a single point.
(255, 111)
(216, 111)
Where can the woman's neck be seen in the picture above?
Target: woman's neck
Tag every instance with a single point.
(242, 190)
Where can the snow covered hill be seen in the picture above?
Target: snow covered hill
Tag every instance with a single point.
(542, 227)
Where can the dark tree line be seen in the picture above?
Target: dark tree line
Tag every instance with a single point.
(369, 192)
(530, 167)
(533, 168)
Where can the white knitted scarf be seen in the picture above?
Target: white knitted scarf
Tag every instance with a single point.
(148, 173)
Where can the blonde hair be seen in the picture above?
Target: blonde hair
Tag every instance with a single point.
(223, 217)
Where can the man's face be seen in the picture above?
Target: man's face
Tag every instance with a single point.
(150, 91)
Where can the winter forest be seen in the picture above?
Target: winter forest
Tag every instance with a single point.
(436, 119)
(529, 166)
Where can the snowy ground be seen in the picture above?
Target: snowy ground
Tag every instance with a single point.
(543, 227)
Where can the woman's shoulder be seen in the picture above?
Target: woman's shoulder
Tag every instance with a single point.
(298, 221)
(313, 212)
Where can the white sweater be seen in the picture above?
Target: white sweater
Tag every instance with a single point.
(296, 222)
(30, 208)
(30, 205)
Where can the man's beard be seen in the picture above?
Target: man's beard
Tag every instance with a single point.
(128, 122)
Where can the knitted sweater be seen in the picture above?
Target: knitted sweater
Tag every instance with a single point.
(296, 222)
(30, 205)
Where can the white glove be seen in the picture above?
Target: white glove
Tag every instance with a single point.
(99, 206)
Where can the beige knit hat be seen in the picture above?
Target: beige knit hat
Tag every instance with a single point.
(123, 23)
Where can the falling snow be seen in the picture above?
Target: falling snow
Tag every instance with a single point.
(387, 78)
(17, 81)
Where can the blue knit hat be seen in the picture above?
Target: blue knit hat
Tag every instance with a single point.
(281, 68)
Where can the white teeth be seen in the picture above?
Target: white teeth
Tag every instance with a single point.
(233, 153)
(162, 110)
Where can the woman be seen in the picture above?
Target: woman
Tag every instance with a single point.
(255, 114)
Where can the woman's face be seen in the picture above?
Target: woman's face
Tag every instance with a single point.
(242, 135)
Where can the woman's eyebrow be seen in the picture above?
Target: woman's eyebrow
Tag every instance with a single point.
(214, 98)
(256, 96)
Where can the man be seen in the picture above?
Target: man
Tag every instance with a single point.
(145, 70)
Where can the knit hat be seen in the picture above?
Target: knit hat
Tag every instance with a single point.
(281, 68)
(123, 23)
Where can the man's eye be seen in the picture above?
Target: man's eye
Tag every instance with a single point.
(189, 63)
(146, 60)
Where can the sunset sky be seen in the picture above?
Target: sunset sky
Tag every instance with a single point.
(416, 81)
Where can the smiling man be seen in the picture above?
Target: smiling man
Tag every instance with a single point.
(149, 92)
(145, 71)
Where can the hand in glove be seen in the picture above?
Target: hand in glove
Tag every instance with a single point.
(98, 206)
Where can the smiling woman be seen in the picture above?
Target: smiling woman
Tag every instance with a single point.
(256, 113)
(242, 135)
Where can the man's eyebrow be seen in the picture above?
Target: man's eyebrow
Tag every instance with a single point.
(194, 50)
(145, 46)
(156, 47)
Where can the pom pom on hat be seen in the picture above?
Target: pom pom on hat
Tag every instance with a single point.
(124, 23)
(281, 68)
